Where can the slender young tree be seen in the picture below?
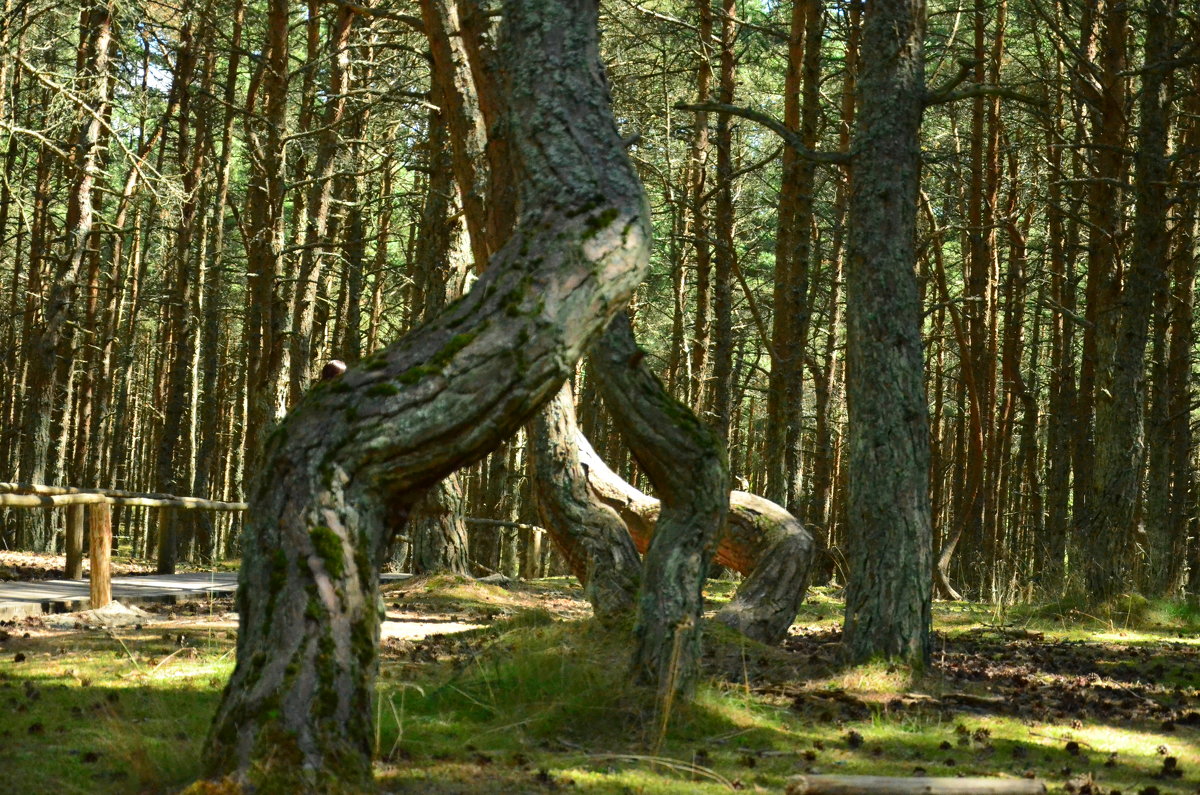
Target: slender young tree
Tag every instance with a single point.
(264, 233)
(174, 443)
(53, 340)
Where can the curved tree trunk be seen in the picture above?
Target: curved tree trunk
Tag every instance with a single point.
(589, 534)
(761, 541)
(686, 463)
(297, 711)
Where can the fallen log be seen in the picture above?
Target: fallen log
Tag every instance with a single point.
(916, 785)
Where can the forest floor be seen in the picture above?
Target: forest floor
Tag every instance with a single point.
(533, 696)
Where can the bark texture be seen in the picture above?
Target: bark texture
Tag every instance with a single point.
(761, 541)
(439, 536)
(589, 534)
(1108, 521)
(265, 237)
(297, 710)
(686, 463)
(888, 595)
(437, 530)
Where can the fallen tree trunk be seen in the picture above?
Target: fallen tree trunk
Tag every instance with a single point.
(885, 785)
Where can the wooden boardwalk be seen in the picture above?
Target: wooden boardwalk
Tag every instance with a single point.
(35, 597)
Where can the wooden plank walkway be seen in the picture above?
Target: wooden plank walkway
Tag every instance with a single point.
(35, 597)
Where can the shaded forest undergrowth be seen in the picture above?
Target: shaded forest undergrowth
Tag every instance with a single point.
(536, 699)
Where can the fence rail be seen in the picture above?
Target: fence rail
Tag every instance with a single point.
(28, 495)
(97, 504)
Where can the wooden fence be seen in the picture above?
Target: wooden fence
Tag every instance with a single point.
(98, 505)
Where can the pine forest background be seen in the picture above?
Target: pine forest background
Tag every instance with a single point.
(190, 230)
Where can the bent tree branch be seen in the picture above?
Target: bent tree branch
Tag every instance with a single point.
(296, 712)
(789, 136)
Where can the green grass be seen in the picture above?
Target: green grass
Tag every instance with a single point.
(532, 702)
(93, 713)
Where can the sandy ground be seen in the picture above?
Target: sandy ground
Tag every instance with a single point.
(414, 609)
(48, 566)
(397, 626)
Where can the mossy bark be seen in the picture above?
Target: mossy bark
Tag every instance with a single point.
(297, 711)
(686, 462)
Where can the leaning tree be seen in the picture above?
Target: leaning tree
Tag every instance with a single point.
(296, 712)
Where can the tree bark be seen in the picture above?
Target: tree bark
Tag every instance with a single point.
(435, 528)
(888, 598)
(793, 249)
(297, 711)
(1183, 479)
(686, 463)
(265, 302)
(439, 536)
(461, 106)
(725, 259)
(1108, 523)
(51, 339)
(820, 515)
(1051, 550)
(173, 449)
(317, 242)
(590, 536)
(210, 355)
(761, 541)
(698, 172)
(1103, 91)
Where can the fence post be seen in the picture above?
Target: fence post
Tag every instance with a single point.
(100, 528)
(74, 567)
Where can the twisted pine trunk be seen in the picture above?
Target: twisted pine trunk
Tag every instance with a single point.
(686, 462)
(760, 540)
(297, 711)
(589, 534)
